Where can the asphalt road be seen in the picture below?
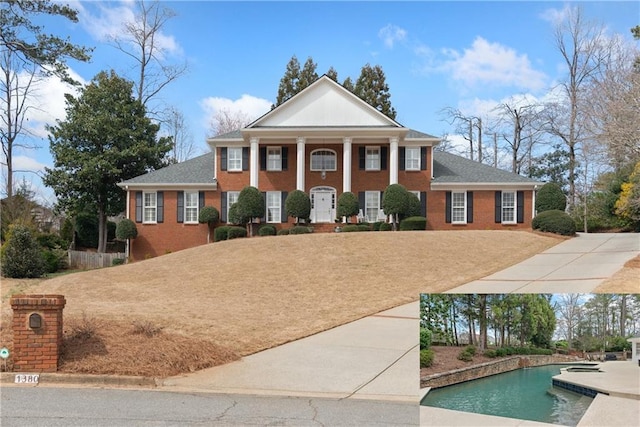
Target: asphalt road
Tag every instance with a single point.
(49, 406)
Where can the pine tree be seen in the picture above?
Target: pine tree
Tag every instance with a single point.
(288, 82)
(308, 75)
(373, 89)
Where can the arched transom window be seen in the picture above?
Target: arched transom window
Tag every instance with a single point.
(323, 160)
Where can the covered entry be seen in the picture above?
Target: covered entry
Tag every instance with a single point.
(323, 204)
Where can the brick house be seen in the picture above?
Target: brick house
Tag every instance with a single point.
(323, 141)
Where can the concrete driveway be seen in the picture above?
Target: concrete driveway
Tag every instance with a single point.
(576, 265)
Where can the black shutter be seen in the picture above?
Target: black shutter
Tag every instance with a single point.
(223, 158)
(362, 156)
(469, 207)
(447, 208)
(160, 206)
(498, 207)
(520, 206)
(263, 158)
(361, 201)
(423, 158)
(381, 198)
(423, 203)
(402, 153)
(200, 199)
(383, 158)
(223, 206)
(264, 198)
(138, 206)
(283, 212)
(180, 213)
(285, 158)
(245, 158)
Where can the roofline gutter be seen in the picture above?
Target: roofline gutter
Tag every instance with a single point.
(169, 186)
(454, 186)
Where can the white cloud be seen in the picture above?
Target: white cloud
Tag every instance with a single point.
(249, 105)
(555, 16)
(488, 63)
(392, 34)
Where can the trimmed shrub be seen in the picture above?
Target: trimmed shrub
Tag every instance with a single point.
(470, 349)
(364, 227)
(490, 353)
(236, 232)
(118, 261)
(425, 338)
(413, 223)
(376, 225)
(220, 233)
(208, 215)
(395, 200)
(550, 198)
(414, 207)
(21, 256)
(426, 358)
(299, 229)
(267, 230)
(126, 229)
(557, 222)
(385, 226)
(350, 228)
(347, 205)
(465, 355)
(283, 232)
(298, 204)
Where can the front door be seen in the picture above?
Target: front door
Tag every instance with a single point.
(323, 204)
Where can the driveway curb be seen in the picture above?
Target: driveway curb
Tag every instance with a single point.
(49, 378)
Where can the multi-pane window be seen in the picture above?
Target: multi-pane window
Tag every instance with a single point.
(234, 159)
(274, 158)
(150, 207)
(459, 207)
(273, 206)
(323, 160)
(372, 205)
(508, 207)
(232, 197)
(372, 160)
(191, 207)
(412, 158)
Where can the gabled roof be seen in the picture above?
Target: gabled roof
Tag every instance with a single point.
(450, 171)
(193, 173)
(324, 103)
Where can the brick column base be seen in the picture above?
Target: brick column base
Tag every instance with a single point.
(37, 331)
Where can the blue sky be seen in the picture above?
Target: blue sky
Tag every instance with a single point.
(466, 55)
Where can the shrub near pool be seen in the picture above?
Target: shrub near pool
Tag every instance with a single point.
(426, 358)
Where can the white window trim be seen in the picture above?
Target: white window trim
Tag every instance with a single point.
(277, 168)
(187, 207)
(229, 203)
(277, 196)
(464, 207)
(514, 207)
(335, 163)
(366, 158)
(234, 150)
(145, 207)
(376, 214)
(406, 158)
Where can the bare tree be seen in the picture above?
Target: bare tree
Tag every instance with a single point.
(142, 42)
(465, 125)
(18, 79)
(582, 46)
(569, 309)
(175, 125)
(226, 121)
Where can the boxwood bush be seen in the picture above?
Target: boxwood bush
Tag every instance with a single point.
(554, 221)
(467, 354)
(283, 232)
(413, 223)
(220, 233)
(385, 226)
(236, 232)
(300, 229)
(550, 198)
(267, 230)
(376, 225)
(426, 358)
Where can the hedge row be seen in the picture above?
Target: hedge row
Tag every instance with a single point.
(228, 232)
(510, 351)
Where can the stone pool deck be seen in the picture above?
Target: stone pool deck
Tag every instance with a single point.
(620, 379)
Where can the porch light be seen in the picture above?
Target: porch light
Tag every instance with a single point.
(323, 174)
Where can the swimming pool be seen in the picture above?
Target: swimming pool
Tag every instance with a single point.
(525, 394)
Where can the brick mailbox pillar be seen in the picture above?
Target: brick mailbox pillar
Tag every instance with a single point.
(37, 331)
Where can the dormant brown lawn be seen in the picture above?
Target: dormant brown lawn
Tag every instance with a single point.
(247, 295)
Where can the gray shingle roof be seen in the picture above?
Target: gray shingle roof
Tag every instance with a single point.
(198, 170)
(414, 134)
(449, 168)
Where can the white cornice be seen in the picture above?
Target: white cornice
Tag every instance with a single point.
(459, 186)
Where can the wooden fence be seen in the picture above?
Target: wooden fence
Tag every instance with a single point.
(91, 260)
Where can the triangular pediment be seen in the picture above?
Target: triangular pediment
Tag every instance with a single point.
(325, 103)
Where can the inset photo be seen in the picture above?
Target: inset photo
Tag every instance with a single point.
(529, 359)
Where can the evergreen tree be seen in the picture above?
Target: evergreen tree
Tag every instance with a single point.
(288, 82)
(250, 205)
(308, 75)
(332, 74)
(348, 84)
(21, 255)
(105, 139)
(373, 89)
(298, 205)
(395, 202)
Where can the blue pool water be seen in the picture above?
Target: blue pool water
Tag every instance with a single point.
(525, 394)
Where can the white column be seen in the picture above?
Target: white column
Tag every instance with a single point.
(346, 165)
(393, 161)
(300, 165)
(254, 167)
